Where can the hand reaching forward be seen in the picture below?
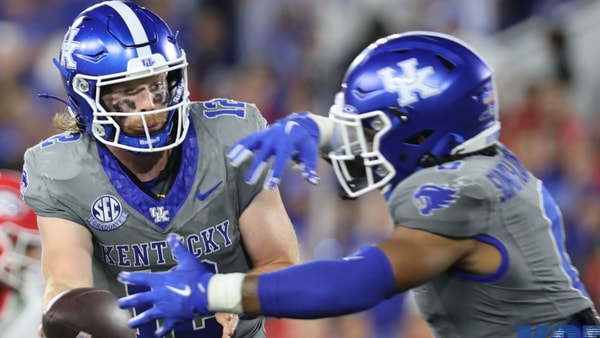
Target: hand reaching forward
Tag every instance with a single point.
(294, 137)
(175, 296)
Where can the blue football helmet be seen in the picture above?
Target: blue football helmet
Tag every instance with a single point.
(407, 102)
(113, 42)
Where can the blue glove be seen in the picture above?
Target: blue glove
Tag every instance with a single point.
(293, 137)
(175, 296)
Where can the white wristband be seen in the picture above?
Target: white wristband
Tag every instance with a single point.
(225, 292)
(326, 126)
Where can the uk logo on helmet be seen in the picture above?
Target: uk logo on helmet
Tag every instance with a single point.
(68, 47)
(412, 81)
(148, 62)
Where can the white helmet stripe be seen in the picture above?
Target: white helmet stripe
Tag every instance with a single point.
(136, 29)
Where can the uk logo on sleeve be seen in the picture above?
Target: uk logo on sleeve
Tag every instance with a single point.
(430, 197)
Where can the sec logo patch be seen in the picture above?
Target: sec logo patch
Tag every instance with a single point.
(107, 213)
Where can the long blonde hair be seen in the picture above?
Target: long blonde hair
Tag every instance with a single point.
(65, 121)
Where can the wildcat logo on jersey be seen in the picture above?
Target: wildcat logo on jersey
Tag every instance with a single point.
(107, 213)
(68, 47)
(159, 214)
(412, 81)
(430, 197)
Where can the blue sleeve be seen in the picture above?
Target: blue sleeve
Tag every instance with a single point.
(326, 288)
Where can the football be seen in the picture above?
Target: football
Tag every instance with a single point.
(86, 313)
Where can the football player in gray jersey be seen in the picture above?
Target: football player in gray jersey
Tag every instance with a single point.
(478, 238)
(138, 161)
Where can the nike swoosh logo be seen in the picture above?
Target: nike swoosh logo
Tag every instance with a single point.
(289, 126)
(203, 195)
(186, 292)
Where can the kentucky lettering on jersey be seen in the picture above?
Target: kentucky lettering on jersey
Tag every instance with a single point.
(139, 254)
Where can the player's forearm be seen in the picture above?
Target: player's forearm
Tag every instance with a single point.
(51, 291)
(64, 273)
(250, 301)
(55, 288)
(328, 288)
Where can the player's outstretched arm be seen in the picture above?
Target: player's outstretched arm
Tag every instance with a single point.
(315, 289)
(296, 137)
(191, 290)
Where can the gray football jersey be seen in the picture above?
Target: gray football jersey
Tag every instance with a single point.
(496, 200)
(71, 176)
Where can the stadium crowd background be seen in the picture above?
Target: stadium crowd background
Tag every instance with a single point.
(289, 55)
